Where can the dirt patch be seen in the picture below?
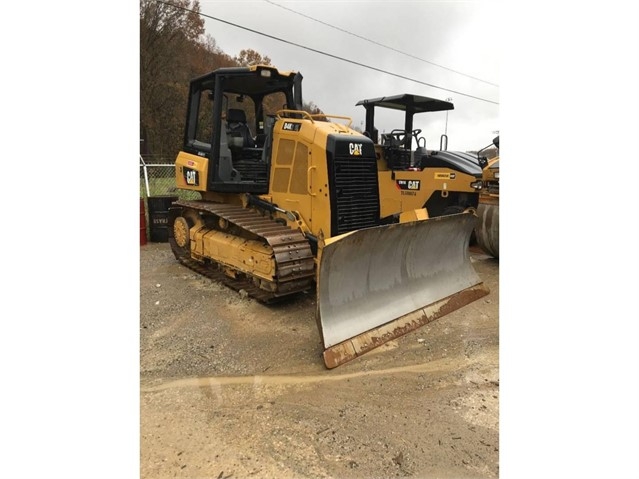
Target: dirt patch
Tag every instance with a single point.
(233, 388)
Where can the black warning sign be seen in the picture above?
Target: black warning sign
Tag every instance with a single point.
(412, 185)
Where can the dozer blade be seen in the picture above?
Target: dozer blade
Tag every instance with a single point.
(380, 283)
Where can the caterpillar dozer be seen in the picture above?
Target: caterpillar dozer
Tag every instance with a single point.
(443, 182)
(487, 229)
(290, 202)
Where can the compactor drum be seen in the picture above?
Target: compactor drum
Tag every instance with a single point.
(291, 202)
(487, 229)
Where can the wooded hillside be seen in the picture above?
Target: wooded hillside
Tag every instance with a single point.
(174, 48)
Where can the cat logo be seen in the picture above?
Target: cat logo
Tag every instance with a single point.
(408, 184)
(355, 149)
(191, 177)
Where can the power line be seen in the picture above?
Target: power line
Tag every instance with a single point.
(380, 44)
(327, 54)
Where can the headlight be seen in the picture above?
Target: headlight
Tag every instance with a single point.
(477, 184)
(497, 175)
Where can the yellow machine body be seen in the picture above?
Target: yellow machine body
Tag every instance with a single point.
(410, 190)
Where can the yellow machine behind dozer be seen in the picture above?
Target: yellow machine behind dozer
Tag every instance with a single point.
(441, 181)
(487, 229)
(291, 202)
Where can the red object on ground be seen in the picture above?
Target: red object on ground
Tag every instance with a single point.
(142, 223)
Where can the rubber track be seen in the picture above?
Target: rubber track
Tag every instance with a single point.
(292, 253)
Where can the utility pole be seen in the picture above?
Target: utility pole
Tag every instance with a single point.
(443, 141)
(446, 128)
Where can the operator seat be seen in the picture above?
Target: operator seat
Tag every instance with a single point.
(420, 155)
(238, 130)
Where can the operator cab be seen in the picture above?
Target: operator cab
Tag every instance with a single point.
(229, 121)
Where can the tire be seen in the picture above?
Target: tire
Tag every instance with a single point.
(456, 209)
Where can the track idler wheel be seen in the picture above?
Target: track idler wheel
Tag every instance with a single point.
(181, 233)
(180, 223)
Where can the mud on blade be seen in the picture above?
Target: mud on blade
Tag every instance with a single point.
(380, 283)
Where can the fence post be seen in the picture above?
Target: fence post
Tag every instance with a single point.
(146, 177)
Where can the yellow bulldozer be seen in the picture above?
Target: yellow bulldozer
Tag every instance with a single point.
(290, 202)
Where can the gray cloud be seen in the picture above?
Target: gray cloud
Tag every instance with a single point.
(457, 35)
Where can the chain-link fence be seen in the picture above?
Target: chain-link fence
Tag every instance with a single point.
(158, 179)
(157, 183)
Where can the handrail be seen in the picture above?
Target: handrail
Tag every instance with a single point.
(309, 180)
(341, 117)
(443, 146)
(315, 116)
(302, 112)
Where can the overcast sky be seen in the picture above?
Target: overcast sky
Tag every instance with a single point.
(459, 36)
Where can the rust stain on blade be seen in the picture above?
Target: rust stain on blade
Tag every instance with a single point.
(369, 340)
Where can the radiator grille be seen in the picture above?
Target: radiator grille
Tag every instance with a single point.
(355, 194)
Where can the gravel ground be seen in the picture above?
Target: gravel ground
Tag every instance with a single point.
(231, 388)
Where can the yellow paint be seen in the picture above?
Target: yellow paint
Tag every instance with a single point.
(233, 251)
(193, 162)
(413, 215)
